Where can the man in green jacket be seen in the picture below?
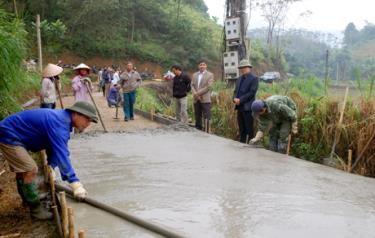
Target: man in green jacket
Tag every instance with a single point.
(278, 115)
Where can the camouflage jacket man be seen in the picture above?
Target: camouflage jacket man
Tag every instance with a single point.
(279, 109)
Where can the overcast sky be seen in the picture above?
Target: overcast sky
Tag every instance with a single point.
(326, 15)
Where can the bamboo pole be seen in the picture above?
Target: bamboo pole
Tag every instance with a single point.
(124, 215)
(71, 222)
(96, 107)
(363, 151)
(289, 144)
(350, 155)
(39, 39)
(57, 220)
(43, 157)
(81, 234)
(11, 235)
(52, 184)
(59, 94)
(338, 129)
(64, 214)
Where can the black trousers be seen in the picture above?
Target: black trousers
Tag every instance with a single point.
(246, 125)
(201, 110)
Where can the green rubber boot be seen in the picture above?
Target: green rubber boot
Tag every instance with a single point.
(30, 193)
(20, 192)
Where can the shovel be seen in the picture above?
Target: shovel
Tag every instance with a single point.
(97, 110)
(117, 102)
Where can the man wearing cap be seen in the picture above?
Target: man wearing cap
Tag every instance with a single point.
(181, 87)
(49, 83)
(243, 97)
(201, 87)
(279, 114)
(81, 83)
(43, 129)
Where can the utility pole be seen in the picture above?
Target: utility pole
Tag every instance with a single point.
(235, 27)
(326, 73)
(40, 60)
(337, 73)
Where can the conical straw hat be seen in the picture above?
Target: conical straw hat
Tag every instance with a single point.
(52, 70)
(82, 66)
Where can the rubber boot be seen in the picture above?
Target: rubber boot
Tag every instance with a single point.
(273, 144)
(20, 192)
(30, 193)
(281, 146)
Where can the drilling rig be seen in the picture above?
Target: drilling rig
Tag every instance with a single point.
(235, 27)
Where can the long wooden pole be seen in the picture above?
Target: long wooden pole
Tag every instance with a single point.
(131, 218)
(59, 94)
(40, 60)
(57, 221)
(363, 151)
(97, 109)
(289, 144)
(338, 129)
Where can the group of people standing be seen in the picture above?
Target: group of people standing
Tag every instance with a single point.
(201, 87)
(276, 114)
(113, 81)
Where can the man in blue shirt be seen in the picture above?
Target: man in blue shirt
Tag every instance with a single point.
(243, 97)
(43, 129)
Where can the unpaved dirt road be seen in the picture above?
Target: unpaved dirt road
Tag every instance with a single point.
(108, 115)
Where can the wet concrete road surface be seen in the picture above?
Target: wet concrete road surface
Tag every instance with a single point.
(202, 185)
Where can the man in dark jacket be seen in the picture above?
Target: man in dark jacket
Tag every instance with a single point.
(181, 87)
(243, 97)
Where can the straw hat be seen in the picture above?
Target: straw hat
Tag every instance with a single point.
(82, 66)
(52, 70)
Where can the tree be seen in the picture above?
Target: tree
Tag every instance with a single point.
(351, 34)
(274, 11)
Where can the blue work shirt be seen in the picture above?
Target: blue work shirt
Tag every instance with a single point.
(42, 129)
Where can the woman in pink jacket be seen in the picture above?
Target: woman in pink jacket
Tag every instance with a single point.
(79, 82)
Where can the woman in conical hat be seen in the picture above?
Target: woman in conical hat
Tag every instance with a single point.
(49, 83)
(79, 82)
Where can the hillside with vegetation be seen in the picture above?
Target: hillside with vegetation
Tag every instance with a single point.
(160, 31)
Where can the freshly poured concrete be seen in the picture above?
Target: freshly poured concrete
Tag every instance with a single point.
(205, 186)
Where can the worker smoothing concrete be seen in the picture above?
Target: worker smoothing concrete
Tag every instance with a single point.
(279, 112)
(43, 129)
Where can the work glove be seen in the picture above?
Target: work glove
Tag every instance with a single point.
(294, 127)
(257, 137)
(78, 191)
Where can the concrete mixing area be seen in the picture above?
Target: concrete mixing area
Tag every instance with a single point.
(201, 185)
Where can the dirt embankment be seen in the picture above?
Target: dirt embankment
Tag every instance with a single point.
(142, 67)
